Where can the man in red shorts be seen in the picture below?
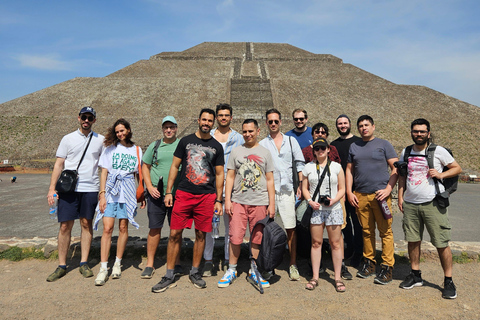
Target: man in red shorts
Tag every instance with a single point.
(250, 177)
(198, 195)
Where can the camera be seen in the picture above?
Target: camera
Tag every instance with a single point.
(324, 199)
(401, 168)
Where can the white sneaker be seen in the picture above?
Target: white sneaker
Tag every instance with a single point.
(116, 271)
(102, 277)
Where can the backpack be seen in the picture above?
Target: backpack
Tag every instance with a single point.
(272, 248)
(450, 184)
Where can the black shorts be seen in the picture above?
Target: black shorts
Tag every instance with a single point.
(156, 212)
(76, 205)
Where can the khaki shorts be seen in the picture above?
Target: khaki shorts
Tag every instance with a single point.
(417, 217)
(285, 207)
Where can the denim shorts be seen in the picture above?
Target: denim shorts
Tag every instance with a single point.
(116, 210)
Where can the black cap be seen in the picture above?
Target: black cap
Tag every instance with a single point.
(319, 143)
(88, 110)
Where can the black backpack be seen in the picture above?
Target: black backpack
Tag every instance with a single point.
(272, 248)
(450, 184)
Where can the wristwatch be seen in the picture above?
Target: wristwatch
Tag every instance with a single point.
(219, 201)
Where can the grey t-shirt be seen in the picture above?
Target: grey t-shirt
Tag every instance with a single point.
(250, 165)
(369, 164)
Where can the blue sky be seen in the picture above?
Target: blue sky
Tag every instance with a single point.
(434, 43)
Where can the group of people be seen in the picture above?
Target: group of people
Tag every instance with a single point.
(347, 183)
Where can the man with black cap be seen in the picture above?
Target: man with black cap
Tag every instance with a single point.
(155, 168)
(81, 203)
(352, 233)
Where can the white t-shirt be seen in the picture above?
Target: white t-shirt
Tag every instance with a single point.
(71, 149)
(120, 159)
(310, 171)
(420, 186)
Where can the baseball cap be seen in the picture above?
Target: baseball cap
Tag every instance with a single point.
(88, 110)
(319, 143)
(169, 119)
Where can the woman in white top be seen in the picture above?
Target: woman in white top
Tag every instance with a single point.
(117, 197)
(327, 210)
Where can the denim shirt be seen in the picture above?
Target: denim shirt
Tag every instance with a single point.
(283, 161)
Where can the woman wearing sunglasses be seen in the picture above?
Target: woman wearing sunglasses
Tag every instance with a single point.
(327, 210)
(117, 196)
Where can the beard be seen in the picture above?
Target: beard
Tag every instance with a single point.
(346, 133)
(420, 141)
(205, 129)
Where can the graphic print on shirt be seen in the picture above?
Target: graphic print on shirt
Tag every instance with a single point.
(198, 159)
(250, 172)
(417, 170)
(124, 161)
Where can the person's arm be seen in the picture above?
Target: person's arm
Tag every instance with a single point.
(454, 169)
(172, 175)
(148, 181)
(299, 162)
(402, 181)
(384, 193)
(102, 200)
(57, 170)
(340, 186)
(271, 194)
(219, 176)
(306, 194)
(352, 199)
(228, 191)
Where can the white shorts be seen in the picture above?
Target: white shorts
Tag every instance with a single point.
(285, 206)
(329, 217)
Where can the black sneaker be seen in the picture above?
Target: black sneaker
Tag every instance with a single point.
(197, 280)
(164, 284)
(385, 275)
(346, 275)
(147, 273)
(178, 270)
(449, 290)
(208, 269)
(411, 281)
(367, 269)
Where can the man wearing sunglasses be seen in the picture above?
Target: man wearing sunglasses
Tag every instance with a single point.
(81, 203)
(282, 147)
(301, 132)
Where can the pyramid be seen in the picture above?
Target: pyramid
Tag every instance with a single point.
(252, 77)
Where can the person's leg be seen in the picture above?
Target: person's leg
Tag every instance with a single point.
(198, 248)
(106, 241)
(122, 237)
(173, 247)
(335, 237)
(446, 260)
(385, 231)
(316, 230)
(367, 222)
(153, 240)
(414, 249)
(86, 236)
(64, 237)
(226, 222)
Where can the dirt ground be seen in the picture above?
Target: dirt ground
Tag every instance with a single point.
(24, 294)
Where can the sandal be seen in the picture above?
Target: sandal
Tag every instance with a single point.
(312, 284)
(340, 286)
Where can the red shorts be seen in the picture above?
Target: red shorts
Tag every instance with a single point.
(190, 208)
(242, 214)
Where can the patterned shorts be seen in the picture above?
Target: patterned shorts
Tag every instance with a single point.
(329, 217)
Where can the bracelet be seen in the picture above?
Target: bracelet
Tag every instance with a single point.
(168, 193)
(308, 200)
(219, 201)
(103, 191)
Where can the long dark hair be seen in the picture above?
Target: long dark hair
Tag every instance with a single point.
(111, 137)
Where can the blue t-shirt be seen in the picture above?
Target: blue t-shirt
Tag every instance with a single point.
(303, 138)
(369, 164)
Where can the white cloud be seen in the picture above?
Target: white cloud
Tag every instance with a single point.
(50, 62)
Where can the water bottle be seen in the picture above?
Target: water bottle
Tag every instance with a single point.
(53, 208)
(215, 224)
(385, 209)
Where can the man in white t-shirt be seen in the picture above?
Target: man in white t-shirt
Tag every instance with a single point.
(417, 200)
(81, 203)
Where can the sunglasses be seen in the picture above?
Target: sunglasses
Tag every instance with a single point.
(272, 121)
(298, 119)
(419, 131)
(320, 148)
(85, 117)
(322, 132)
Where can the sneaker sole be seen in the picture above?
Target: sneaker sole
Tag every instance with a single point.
(364, 276)
(417, 284)
(225, 284)
(198, 286)
(116, 276)
(207, 274)
(378, 281)
(347, 277)
(148, 276)
(252, 282)
(101, 283)
(172, 285)
(445, 297)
